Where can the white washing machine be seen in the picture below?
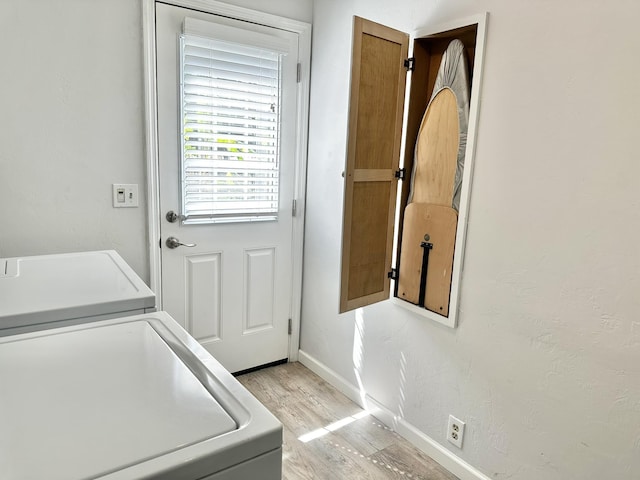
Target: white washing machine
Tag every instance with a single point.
(48, 291)
(128, 398)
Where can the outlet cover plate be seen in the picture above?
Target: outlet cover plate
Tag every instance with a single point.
(455, 431)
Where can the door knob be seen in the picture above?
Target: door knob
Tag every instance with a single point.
(173, 242)
(172, 216)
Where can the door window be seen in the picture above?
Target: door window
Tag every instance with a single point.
(230, 113)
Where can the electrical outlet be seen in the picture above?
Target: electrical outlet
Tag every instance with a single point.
(455, 431)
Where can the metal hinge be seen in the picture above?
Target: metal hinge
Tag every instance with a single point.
(290, 328)
(299, 73)
(410, 64)
(294, 207)
(393, 274)
(400, 173)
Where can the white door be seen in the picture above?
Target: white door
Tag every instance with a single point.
(227, 95)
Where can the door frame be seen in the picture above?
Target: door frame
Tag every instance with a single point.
(303, 30)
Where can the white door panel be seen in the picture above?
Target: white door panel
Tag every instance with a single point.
(233, 290)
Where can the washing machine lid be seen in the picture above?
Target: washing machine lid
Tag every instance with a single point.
(49, 288)
(87, 401)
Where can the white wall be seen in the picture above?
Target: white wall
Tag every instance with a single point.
(295, 9)
(545, 364)
(72, 123)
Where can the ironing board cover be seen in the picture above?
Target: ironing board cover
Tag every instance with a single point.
(453, 74)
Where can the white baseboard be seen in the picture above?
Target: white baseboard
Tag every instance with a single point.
(440, 454)
(332, 377)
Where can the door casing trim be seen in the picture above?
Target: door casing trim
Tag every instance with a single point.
(303, 30)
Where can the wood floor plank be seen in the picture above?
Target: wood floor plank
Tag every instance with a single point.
(368, 435)
(406, 458)
(327, 436)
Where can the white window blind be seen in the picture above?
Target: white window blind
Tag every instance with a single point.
(230, 105)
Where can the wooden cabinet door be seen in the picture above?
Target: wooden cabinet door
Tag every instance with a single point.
(378, 77)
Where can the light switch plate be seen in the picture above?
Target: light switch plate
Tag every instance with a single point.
(125, 195)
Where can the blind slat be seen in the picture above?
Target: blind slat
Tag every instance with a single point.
(229, 114)
(199, 157)
(212, 92)
(235, 70)
(266, 130)
(193, 51)
(204, 119)
(248, 108)
(221, 140)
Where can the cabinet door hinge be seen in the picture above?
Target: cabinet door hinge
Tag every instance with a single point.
(400, 174)
(290, 328)
(393, 274)
(294, 207)
(298, 73)
(410, 64)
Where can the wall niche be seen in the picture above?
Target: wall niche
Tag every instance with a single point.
(444, 69)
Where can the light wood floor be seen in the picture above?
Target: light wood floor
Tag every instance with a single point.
(327, 436)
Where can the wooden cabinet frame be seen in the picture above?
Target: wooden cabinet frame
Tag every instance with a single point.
(380, 133)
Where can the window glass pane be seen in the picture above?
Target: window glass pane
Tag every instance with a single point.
(230, 104)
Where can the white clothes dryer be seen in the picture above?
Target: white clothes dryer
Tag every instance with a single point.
(49, 291)
(124, 399)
